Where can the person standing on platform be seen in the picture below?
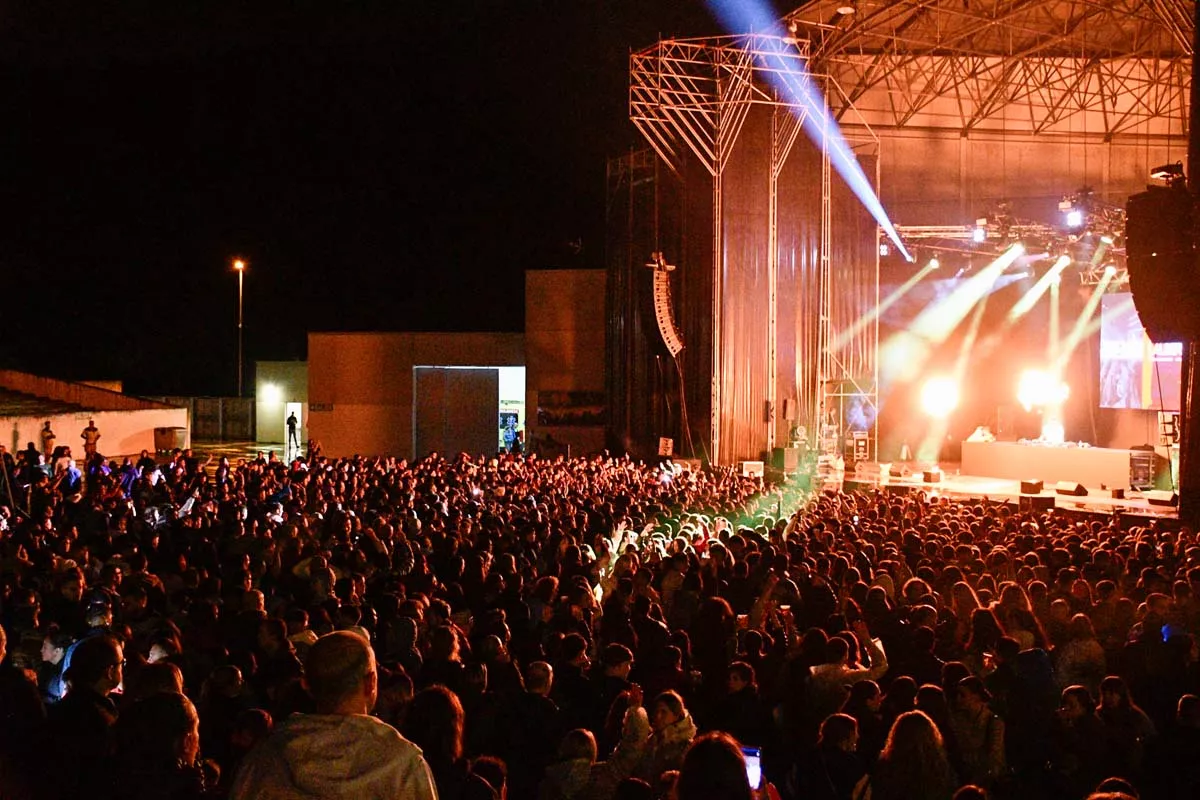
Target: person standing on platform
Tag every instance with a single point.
(292, 424)
(90, 435)
(48, 439)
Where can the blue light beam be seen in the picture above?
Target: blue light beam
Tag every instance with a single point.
(795, 83)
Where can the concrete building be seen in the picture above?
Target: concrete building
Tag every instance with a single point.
(280, 390)
(127, 424)
(407, 394)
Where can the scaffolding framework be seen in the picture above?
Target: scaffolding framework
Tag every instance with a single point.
(1007, 64)
(693, 96)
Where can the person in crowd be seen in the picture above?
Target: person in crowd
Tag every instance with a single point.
(340, 751)
(48, 440)
(50, 674)
(500, 587)
(90, 436)
(82, 723)
(914, 762)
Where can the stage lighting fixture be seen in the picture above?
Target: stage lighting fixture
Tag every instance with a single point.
(939, 397)
(1074, 218)
(1168, 172)
(1110, 270)
(846, 9)
(1039, 389)
(979, 235)
(884, 249)
(934, 263)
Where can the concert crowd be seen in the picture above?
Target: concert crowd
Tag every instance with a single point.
(593, 628)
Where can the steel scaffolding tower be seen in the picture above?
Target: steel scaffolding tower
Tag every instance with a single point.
(693, 95)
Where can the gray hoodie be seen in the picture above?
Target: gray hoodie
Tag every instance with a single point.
(335, 756)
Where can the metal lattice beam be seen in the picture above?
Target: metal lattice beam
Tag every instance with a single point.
(1124, 64)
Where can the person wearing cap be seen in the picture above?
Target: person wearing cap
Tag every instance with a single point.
(341, 751)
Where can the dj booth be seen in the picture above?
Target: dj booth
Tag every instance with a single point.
(1091, 466)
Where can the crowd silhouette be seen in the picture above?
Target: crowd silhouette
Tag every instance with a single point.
(591, 628)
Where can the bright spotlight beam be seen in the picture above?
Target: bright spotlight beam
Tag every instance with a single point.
(846, 336)
(1029, 300)
(1082, 327)
(939, 319)
(799, 87)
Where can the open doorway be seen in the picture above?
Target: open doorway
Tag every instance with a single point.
(294, 432)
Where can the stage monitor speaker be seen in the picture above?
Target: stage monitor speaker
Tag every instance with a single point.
(1070, 488)
(786, 458)
(1161, 261)
(851, 485)
(931, 476)
(1162, 498)
(752, 469)
(1032, 487)
(1035, 502)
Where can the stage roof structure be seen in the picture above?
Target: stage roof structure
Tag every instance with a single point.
(1105, 67)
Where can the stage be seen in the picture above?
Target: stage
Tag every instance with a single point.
(1092, 466)
(960, 486)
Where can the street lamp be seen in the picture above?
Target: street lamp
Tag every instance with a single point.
(240, 267)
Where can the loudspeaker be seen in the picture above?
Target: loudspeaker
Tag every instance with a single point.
(1161, 261)
(1070, 488)
(931, 476)
(752, 469)
(1034, 502)
(1032, 487)
(786, 458)
(1162, 498)
(851, 485)
(1118, 494)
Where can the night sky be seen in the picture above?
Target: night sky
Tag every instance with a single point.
(381, 166)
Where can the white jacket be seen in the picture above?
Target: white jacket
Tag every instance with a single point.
(334, 756)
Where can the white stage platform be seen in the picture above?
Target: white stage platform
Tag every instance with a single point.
(974, 487)
(1091, 466)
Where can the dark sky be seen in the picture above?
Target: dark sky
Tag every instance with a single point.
(382, 166)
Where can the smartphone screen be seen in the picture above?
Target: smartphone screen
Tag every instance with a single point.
(753, 758)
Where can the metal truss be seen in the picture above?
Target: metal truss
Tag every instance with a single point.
(1035, 65)
(693, 95)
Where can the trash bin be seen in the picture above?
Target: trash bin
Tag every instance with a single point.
(167, 439)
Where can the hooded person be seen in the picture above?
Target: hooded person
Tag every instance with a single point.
(340, 751)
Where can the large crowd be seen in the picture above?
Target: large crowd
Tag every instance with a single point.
(593, 628)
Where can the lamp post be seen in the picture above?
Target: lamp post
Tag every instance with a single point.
(240, 267)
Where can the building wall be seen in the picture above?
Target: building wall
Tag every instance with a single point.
(360, 385)
(564, 347)
(290, 382)
(122, 433)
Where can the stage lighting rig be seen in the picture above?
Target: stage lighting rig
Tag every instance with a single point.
(1169, 173)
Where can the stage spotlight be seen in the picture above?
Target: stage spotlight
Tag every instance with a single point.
(934, 263)
(1039, 389)
(1168, 172)
(1074, 218)
(979, 235)
(884, 249)
(939, 397)
(1110, 270)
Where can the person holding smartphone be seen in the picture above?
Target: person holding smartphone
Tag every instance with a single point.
(715, 765)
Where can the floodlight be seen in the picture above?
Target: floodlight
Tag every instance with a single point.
(939, 397)
(1074, 218)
